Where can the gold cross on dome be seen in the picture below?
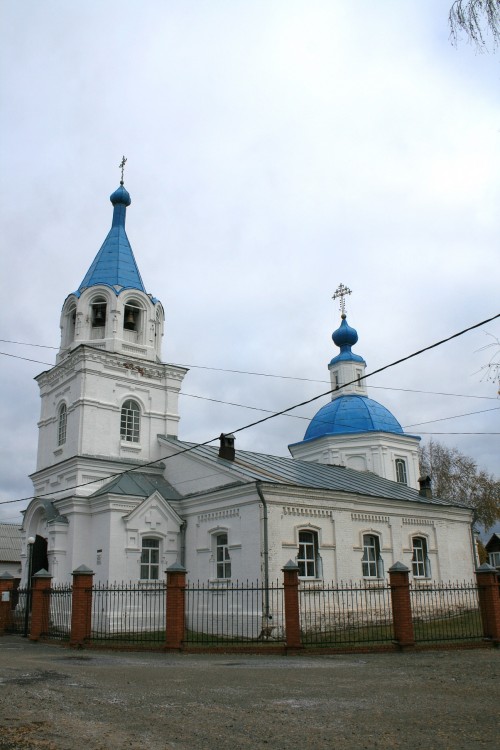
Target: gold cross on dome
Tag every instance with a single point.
(121, 166)
(342, 292)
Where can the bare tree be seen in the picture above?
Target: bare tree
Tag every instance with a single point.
(478, 19)
(456, 477)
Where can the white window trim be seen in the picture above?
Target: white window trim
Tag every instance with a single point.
(420, 562)
(377, 559)
(149, 564)
(315, 560)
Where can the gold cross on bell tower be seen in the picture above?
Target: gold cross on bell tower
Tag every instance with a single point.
(121, 166)
(341, 293)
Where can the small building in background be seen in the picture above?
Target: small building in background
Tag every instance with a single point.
(492, 547)
(10, 549)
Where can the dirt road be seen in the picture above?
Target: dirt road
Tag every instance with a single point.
(59, 699)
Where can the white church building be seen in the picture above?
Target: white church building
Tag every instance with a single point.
(116, 490)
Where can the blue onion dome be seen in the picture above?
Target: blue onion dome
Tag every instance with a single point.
(345, 335)
(121, 195)
(351, 414)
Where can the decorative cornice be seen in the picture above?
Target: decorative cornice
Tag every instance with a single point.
(373, 517)
(289, 510)
(118, 360)
(418, 521)
(227, 513)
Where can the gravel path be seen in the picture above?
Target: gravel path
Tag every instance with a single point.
(59, 699)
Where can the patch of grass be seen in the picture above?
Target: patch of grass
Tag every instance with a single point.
(454, 627)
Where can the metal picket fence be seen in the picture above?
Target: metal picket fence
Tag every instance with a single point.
(232, 613)
(58, 623)
(225, 613)
(17, 616)
(446, 612)
(345, 614)
(129, 612)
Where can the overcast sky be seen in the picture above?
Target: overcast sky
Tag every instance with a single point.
(275, 149)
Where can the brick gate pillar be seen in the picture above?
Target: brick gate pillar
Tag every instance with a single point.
(6, 591)
(40, 604)
(176, 607)
(399, 582)
(292, 613)
(489, 601)
(81, 606)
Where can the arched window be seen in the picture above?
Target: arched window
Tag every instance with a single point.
(222, 558)
(420, 563)
(69, 326)
(99, 312)
(372, 563)
(308, 558)
(131, 316)
(150, 559)
(61, 424)
(401, 474)
(130, 421)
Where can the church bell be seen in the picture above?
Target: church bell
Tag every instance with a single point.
(129, 319)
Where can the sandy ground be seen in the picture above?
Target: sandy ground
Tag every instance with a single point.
(60, 699)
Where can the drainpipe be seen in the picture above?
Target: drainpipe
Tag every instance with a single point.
(474, 545)
(183, 544)
(265, 519)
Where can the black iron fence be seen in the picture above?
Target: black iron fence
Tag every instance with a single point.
(129, 612)
(17, 619)
(243, 613)
(225, 613)
(446, 612)
(346, 614)
(58, 612)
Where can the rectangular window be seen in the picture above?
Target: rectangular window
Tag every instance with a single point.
(494, 559)
(420, 563)
(372, 563)
(150, 559)
(307, 558)
(222, 556)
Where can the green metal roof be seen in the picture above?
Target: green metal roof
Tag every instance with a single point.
(281, 470)
(10, 542)
(138, 484)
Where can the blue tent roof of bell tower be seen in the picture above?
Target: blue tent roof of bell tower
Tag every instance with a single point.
(114, 265)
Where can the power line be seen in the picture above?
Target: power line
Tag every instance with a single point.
(264, 375)
(456, 416)
(266, 419)
(25, 343)
(26, 359)
(371, 374)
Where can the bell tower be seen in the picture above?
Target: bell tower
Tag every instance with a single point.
(109, 395)
(111, 310)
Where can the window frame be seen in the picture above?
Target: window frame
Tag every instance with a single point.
(130, 421)
(494, 558)
(372, 563)
(132, 306)
(222, 556)
(401, 469)
(152, 563)
(308, 558)
(96, 305)
(62, 424)
(420, 563)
